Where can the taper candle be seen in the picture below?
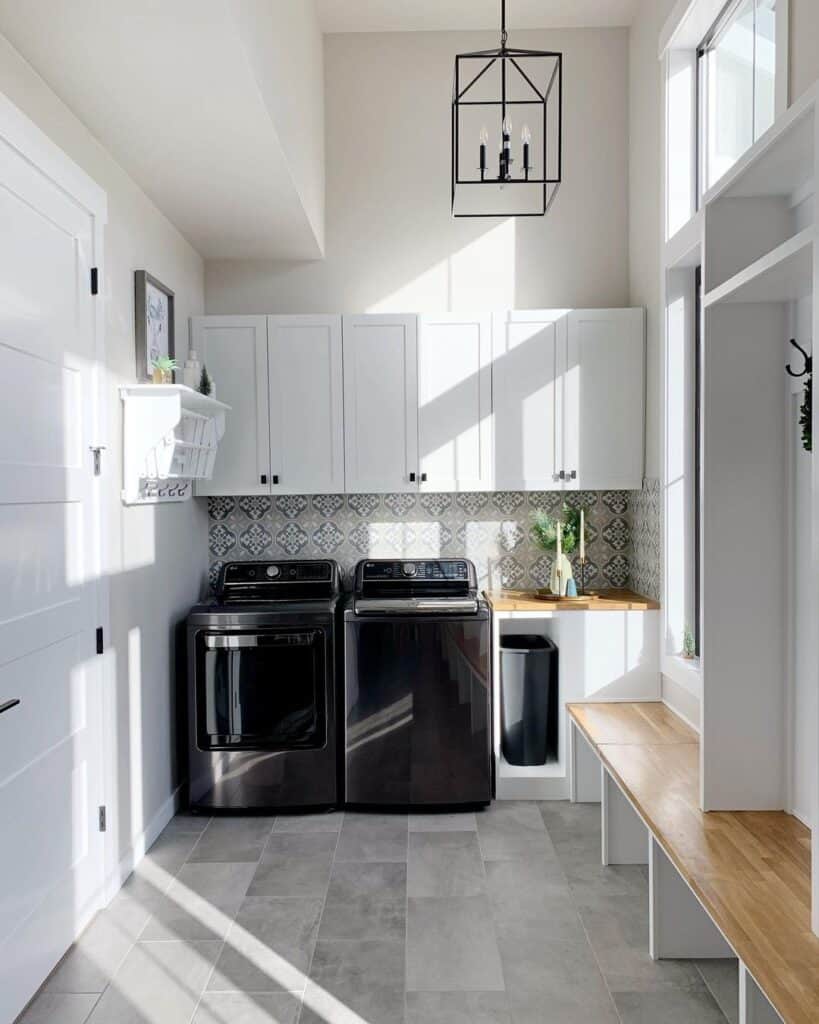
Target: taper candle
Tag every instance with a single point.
(582, 534)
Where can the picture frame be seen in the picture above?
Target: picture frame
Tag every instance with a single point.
(154, 318)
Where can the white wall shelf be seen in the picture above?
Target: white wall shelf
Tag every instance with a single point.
(171, 434)
(783, 275)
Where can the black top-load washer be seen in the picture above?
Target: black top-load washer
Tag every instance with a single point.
(417, 720)
(262, 704)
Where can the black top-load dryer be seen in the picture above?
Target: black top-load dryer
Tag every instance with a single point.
(262, 677)
(417, 721)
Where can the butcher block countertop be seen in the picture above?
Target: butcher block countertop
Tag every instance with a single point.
(614, 600)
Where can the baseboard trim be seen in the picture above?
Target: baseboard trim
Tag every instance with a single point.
(141, 844)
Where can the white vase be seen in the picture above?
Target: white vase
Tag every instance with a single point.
(567, 574)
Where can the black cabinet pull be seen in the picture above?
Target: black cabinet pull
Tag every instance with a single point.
(8, 705)
(423, 478)
(275, 479)
(263, 478)
(412, 478)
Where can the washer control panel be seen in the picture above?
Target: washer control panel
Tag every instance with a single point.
(424, 570)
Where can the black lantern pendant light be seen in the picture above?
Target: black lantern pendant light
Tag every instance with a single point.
(520, 178)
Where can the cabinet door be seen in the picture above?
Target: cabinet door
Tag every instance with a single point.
(525, 398)
(234, 349)
(603, 420)
(455, 402)
(306, 404)
(380, 403)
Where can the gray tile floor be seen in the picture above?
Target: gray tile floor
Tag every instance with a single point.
(500, 917)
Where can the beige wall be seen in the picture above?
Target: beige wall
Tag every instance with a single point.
(156, 556)
(804, 51)
(391, 243)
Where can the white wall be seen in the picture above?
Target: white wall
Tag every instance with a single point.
(156, 557)
(804, 46)
(391, 243)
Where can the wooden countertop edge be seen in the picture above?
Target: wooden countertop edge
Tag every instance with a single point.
(621, 600)
(754, 959)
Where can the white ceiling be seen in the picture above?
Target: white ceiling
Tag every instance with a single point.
(169, 91)
(452, 15)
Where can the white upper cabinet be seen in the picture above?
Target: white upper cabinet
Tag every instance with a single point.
(234, 349)
(455, 402)
(381, 403)
(525, 398)
(306, 404)
(604, 399)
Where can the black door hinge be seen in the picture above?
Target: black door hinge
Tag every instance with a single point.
(95, 281)
(100, 640)
(103, 818)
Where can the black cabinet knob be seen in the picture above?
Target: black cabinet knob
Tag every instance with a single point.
(412, 478)
(275, 479)
(423, 478)
(263, 478)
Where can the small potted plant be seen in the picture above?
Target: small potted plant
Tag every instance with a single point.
(544, 533)
(205, 382)
(163, 369)
(689, 644)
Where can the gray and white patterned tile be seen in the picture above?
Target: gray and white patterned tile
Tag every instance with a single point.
(363, 538)
(220, 507)
(255, 540)
(292, 539)
(399, 504)
(508, 502)
(511, 535)
(616, 534)
(511, 571)
(545, 501)
(472, 502)
(580, 499)
(221, 540)
(435, 504)
(616, 501)
(364, 505)
(540, 571)
(616, 571)
(255, 506)
(291, 505)
(328, 505)
(327, 538)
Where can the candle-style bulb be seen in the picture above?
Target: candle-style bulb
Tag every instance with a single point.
(484, 136)
(507, 125)
(525, 135)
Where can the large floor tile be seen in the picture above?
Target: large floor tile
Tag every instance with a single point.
(159, 983)
(462, 821)
(457, 1008)
(532, 888)
(722, 979)
(187, 822)
(233, 839)
(330, 821)
(243, 1008)
(451, 946)
(509, 830)
(565, 1007)
(377, 879)
(59, 1008)
(294, 866)
(354, 980)
(380, 837)
(268, 947)
(536, 962)
(202, 902)
(95, 957)
(166, 856)
(363, 918)
(445, 864)
(669, 1006)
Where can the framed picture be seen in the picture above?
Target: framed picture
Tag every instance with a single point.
(154, 322)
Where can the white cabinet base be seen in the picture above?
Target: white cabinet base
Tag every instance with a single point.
(624, 837)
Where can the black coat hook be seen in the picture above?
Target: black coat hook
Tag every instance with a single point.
(808, 361)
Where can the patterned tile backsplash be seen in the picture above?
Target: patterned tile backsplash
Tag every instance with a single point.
(646, 540)
(492, 529)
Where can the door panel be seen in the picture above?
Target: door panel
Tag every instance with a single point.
(455, 402)
(605, 398)
(380, 403)
(525, 398)
(234, 349)
(52, 852)
(306, 404)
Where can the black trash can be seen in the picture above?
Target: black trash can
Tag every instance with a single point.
(528, 699)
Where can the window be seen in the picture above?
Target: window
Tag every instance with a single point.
(737, 85)
(696, 624)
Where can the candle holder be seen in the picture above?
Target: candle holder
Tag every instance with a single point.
(583, 575)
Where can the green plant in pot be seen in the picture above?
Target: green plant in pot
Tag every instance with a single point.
(163, 369)
(544, 533)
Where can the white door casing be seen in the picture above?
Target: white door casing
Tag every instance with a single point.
(306, 389)
(455, 402)
(381, 403)
(52, 856)
(234, 349)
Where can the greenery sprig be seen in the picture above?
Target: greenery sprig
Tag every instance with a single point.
(544, 530)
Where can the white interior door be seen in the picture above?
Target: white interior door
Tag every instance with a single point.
(525, 398)
(51, 852)
(455, 402)
(604, 393)
(306, 404)
(381, 403)
(234, 349)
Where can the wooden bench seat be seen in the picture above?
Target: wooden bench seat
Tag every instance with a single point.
(749, 870)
